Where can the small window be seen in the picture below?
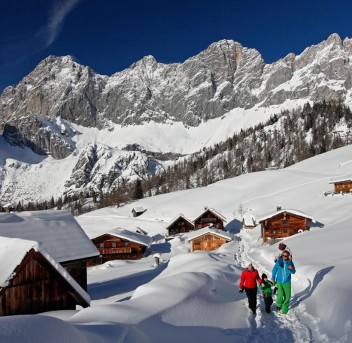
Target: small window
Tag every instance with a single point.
(101, 245)
(113, 245)
(284, 231)
(284, 222)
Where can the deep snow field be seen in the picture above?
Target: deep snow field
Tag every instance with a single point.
(193, 297)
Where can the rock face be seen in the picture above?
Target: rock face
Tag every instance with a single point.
(224, 76)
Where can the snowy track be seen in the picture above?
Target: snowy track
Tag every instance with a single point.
(276, 326)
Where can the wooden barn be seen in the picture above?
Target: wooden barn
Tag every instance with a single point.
(343, 185)
(208, 239)
(60, 234)
(209, 217)
(31, 281)
(121, 244)
(284, 223)
(137, 211)
(179, 225)
(248, 222)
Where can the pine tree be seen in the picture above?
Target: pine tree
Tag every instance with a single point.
(138, 190)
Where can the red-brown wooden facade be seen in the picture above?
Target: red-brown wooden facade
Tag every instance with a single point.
(209, 218)
(37, 287)
(116, 248)
(283, 225)
(180, 225)
(343, 186)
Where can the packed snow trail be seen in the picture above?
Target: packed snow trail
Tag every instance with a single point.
(276, 325)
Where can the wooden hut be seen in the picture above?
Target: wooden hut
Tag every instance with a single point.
(208, 239)
(342, 185)
(209, 217)
(248, 222)
(121, 244)
(31, 281)
(284, 223)
(179, 225)
(61, 236)
(137, 211)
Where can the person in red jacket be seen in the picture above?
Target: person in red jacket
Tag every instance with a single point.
(248, 282)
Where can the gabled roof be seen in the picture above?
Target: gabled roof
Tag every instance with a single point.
(342, 179)
(211, 230)
(58, 231)
(138, 209)
(217, 214)
(175, 219)
(129, 236)
(249, 220)
(14, 250)
(295, 212)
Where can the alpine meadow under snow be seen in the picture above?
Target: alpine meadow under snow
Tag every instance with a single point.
(193, 297)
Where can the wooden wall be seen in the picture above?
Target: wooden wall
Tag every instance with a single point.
(208, 218)
(283, 225)
(208, 242)
(180, 226)
(37, 287)
(343, 187)
(115, 248)
(78, 270)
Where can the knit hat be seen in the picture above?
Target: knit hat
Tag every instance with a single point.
(264, 276)
(247, 263)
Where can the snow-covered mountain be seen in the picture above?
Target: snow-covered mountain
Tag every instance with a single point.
(85, 120)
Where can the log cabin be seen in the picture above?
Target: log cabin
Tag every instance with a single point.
(31, 281)
(284, 223)
(208, 239)
(179, 225)
(209, 217)
(60, 234)
(342, 185)
(121, 244)
(137, 211)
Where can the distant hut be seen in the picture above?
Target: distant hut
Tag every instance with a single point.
(342, 185)
(284, 223)
(208, 239)
(248, 221)
(60, 234)
(121, 244)
(178, 225)
(209, 217)
(137, 211)
(31, 281)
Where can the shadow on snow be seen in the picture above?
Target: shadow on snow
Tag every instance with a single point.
(306, 293)
(106, 289)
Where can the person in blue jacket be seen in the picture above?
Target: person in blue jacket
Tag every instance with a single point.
(281, 277)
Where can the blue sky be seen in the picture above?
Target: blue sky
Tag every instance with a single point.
(110, 35)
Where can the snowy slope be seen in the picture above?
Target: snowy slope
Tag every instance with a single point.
(193, 296)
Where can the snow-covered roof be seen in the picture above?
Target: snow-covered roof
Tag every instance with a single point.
(14, 250)
(130, 236)
(138, 209)
(297, 213)
(249, 220)
(173, 220)
(211, 230)
(58, 231)
(214, 212)
(342, 179)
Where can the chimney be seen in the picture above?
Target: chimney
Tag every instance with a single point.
(278, 207)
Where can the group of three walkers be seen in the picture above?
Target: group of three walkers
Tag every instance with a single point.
(280, 278)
